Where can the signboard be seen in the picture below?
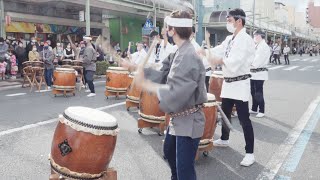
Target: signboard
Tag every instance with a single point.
(148, 24)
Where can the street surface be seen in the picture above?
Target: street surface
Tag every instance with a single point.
(287, 140)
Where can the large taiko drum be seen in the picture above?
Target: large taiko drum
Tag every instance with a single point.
(117, 79)
(210, 111)
(134, 92)
(67, 62)
(83, 143)
(77, 63)
(149, 109)
(37, 64)
(215, 84)
(64, 79)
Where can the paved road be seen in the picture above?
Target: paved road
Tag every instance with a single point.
(290, 95)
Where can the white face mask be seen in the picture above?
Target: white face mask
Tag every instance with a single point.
(231, 28)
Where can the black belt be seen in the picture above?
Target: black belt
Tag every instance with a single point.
(239, 78)
(258, 70)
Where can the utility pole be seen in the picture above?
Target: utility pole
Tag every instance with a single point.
(88, 17)
(2, 26)
(199, 13)
(254, 16)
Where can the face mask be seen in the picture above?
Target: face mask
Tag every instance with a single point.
(1, 42)
(68, 47)
(33, 40)
(34, 49)
(231, 28)
(20, 45)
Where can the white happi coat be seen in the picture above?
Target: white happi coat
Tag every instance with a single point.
(261, 60)
(238, 54)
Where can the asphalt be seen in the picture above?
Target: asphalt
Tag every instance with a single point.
(24, 153)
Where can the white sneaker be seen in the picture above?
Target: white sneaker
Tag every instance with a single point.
(49, 87)
(253, 112)
(221, 143)
(260, 115)
(83, 86)
(248, 160)
(88, 91)
(91, 95)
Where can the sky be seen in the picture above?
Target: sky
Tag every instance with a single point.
(300, 4)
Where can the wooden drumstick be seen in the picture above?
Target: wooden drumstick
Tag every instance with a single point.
(225, 119)
(207, 39)
(144, 62)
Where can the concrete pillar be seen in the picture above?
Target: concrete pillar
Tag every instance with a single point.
(88, 17)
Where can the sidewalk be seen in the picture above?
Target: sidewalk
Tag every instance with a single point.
(10, 83)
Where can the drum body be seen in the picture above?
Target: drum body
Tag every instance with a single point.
(210, 111)
(215, 84)
(83, 143)
(27, 64)
(67, 62)
(37, 64)
(77, 63)
(64, 79)
(149, 109)
(117, 79)
(134, 92)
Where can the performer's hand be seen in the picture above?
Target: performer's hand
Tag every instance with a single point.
(126, 64)
(201, 52)
(139, 79)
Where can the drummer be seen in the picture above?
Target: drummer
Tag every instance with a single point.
(139, 55)
(259, 73)
(163, 47)
(238, 52)
(47, 57)
(89, 63)
(183, 92)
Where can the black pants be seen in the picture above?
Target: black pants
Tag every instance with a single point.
(207, 82)
(275, 58)
(89, 79)
(286, 58)
(243, 114)
(257, 95)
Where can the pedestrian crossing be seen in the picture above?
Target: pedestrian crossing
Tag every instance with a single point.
(304, 59)
(287, 68)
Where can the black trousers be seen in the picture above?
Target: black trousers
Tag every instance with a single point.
(257, 95)
(89, 79)
(275, 58)
(207, 82)
(286, 58)
(243, 114)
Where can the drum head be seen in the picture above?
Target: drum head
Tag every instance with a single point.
(91, 116)
(118, 69)
(211, 98)
(65, 69)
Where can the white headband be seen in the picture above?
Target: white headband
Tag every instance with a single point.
(87, 38)
(178, 22)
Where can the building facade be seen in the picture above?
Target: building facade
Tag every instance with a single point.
(313, 14)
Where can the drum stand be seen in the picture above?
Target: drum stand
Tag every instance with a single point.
(64, 92)
(38, 73)
(111, 174)
(116, 94)
(27, 76)
(144, 124)
(130, 104)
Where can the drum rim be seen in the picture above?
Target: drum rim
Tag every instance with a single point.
(64, 69)
(91, 126)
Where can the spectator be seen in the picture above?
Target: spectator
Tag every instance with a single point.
(34, 55)
(58, 53)
(3, 65)
(68, 52)
(14, 67)
(48, 58)
(21, 56)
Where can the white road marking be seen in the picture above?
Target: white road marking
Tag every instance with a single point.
(17, 94)
(315, 60)
(276, 161)
(295, 60)
(290, 68)
(306, 68)
(304, 60)
(45, 90)
(29, 126)
(276, 67)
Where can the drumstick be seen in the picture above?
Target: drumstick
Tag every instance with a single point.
(207, 39)
(144, 62)
(224, 118)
